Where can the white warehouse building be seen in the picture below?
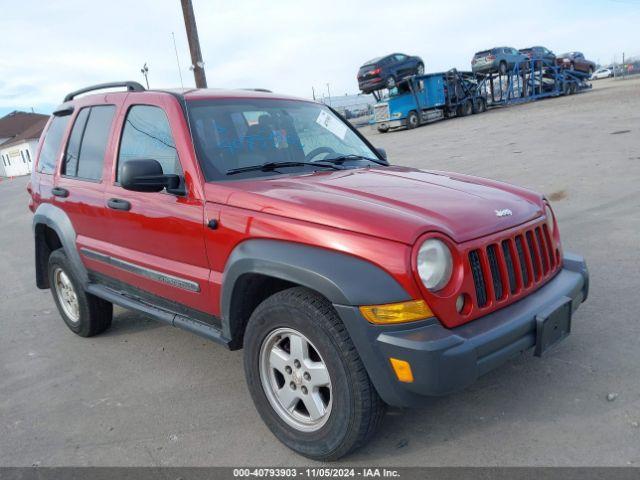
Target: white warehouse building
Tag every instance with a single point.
(19, 135)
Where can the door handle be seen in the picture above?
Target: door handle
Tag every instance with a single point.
(60, 192)
(119, 204)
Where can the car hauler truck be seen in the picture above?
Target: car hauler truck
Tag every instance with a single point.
(426, 98)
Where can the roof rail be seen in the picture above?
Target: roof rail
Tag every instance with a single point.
(131, 87)
(257, 90)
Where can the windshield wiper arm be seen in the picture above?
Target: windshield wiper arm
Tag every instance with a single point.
(270, 166)
(351, 156)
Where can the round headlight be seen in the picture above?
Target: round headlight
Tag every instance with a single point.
(549, 214)
(434, 264)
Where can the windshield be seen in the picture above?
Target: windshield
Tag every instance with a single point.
(231, 134)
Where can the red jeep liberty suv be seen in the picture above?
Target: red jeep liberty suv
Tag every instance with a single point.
(268, 222)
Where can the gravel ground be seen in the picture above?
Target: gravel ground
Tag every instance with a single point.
(148, 394)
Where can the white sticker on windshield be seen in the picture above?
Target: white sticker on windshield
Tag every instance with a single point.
(332, 124)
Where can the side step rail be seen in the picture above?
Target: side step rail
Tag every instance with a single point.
(201, 329)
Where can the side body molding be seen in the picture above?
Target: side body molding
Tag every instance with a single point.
(341, 278)
(55, 218)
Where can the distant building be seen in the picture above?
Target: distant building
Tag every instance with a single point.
(19, 135)
(351, 106)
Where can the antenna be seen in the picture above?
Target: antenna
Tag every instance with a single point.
(177, 59)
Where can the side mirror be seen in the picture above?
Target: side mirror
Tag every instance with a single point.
(383, 153)
(146, 176)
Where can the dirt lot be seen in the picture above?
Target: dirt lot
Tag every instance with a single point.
(149, 394)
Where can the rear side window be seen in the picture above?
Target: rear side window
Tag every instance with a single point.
(147, 135)
(51, 145)
(84, 157)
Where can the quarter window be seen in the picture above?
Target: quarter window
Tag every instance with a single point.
(51, 145)
(85, 152)
(147, 135)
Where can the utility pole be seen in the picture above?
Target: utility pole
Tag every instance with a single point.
(329, 94)
(313, 92)
(177, 59)
(197, 65)
(145, 71)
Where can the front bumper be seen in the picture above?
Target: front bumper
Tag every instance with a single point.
(387, 124)
(446, 360)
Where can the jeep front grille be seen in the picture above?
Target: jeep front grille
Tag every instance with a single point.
(507, 267)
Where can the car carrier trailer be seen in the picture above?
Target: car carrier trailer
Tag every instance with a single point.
(426, 98)
(532, 80)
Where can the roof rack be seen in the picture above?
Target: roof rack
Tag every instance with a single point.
(257, 90)
(131, 87)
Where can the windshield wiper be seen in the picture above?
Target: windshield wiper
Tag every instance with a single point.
(270, 166)
(342, 158)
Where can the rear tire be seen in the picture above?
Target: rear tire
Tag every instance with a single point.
(353, 411)
(85, 314)
(465, 109)
(479, 105)
(502, 68)
(420, 69)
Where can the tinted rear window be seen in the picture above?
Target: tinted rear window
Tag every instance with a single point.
(84, 157)
(51, 145)
(94, 142)
(373, 61)
(483, 53)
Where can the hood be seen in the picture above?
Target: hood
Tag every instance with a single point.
(394, 203)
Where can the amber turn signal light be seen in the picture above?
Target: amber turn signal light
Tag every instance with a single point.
(397, 312)
(402, 369)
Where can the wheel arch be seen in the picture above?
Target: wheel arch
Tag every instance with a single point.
(258, 268)
(52, 229)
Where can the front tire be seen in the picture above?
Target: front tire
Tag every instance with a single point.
(85, 314)
(306, 378)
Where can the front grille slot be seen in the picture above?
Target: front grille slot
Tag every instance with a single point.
(511, 271)
(523, 263)
(533, 253)
(495, 271)
(552, 254)
(543, 252)
(478, 278)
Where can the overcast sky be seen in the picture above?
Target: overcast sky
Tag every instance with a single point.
(48, 48)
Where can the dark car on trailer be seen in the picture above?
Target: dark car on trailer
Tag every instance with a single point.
(385, 72)
(576, 61)
(541, 55)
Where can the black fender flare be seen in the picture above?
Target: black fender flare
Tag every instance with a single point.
(341, 278)
(56, 219)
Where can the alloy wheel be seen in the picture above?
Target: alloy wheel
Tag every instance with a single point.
(295, 379)
(67, 295)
